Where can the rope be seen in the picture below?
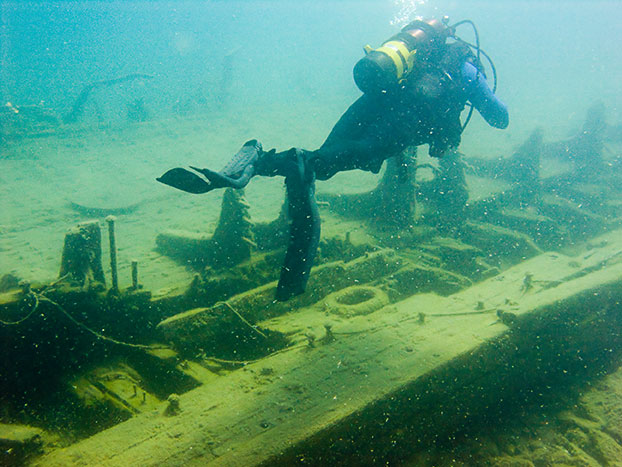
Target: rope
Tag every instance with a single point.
(86, 328)
(36, 304)
(97, 334)
(39, 297)
(248, 362)
(243, 319)
(19, 321)
(462, 313)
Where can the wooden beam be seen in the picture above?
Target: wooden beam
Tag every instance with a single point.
(414, 370)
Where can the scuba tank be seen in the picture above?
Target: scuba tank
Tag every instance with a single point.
(384, 68)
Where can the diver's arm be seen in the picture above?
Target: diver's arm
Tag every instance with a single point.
(483, 99)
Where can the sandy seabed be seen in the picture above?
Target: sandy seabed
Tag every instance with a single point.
(111, 167)
(114, 166)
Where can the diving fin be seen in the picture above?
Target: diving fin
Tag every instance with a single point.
(220, 180)
(185, 180)
(242, 160)
(236, 174)
(238, 171)
(304, 233)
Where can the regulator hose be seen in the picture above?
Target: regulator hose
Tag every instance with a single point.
(479, 52)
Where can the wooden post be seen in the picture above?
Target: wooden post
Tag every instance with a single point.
(135, 274)
(113, 252)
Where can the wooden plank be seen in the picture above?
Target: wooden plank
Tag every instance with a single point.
(282, 403)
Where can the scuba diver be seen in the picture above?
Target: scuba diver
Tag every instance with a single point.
(414, 86)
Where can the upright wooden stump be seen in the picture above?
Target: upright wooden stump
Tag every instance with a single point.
(233, 238)
(82, 254)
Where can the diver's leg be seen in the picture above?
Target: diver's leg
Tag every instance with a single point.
(367, 153)
(365, 136)
(452, 191)
(304, 234)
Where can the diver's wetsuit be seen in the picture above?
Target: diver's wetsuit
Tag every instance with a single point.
(374, 128)
(422, 110)
(427, 111)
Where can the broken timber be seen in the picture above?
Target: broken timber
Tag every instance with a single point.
(412, 372)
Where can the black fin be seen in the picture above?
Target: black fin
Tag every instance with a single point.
(304, 233)
(185, 180)
(220, 180)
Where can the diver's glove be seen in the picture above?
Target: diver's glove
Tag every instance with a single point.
(236, 174)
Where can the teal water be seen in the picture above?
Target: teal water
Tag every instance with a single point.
(217, 73)
(554, 58)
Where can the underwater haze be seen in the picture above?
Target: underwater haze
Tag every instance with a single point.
(553, 58)
(460, 311)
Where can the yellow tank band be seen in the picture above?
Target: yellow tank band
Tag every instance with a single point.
(400, 47)
(407, 56)
(399, 54)
(395, 57)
